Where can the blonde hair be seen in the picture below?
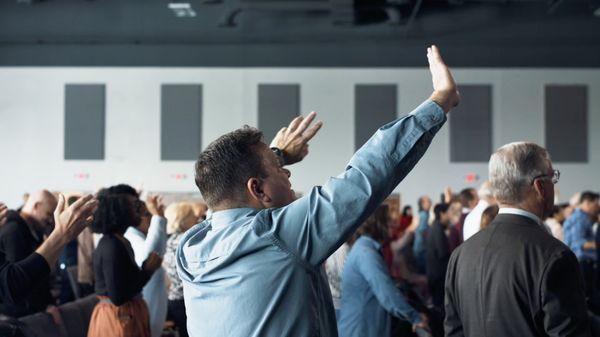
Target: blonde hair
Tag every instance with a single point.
(180, 217)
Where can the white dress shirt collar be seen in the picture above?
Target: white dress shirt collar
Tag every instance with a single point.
(521, 212)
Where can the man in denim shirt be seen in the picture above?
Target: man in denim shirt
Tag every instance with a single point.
(254, 268)
(579, 236)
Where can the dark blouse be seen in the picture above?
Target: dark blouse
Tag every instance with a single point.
(117, 275)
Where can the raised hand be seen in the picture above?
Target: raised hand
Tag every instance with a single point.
(445, 91)
(152, 262)
(70, 221)
(155, 205)
(3, 213)
(293, 139)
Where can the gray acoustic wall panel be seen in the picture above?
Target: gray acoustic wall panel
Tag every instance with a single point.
(471, 125)
(180, 121)
(374, 106)
(278, 104)
(84, 121)
(567, 122)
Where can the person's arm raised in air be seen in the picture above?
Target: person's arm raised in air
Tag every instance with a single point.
(156, 239)
(314, 226)
(17, 279)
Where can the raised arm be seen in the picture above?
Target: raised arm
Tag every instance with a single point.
(314, 226)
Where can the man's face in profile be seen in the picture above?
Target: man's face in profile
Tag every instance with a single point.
(276, 183)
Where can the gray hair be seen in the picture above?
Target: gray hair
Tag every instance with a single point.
(513, 167)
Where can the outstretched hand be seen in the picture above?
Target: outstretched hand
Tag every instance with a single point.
(293, 139)
(155, 205)
(70, 221)
(445, 91)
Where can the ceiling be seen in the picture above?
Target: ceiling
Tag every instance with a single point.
(327, 33)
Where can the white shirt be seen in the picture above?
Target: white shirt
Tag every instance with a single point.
(521, 212)
(473, 219)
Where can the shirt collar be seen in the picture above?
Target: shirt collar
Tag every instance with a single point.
(521, 212)
(226, 217)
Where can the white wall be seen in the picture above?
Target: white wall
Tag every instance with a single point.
(32, 118)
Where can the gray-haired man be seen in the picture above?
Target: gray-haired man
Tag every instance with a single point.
(513, 278)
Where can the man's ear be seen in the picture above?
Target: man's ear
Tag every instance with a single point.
(539, 188)
(254, 188)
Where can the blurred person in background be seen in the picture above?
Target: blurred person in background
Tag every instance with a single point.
(438, 254)
(147, 237)
(419, 246)
(180, 217)
(118, 280)
(473, 219)
(369, 294)
(488, 216)
(556, 219)
(20, 236)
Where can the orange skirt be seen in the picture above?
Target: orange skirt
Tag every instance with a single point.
(128, 320)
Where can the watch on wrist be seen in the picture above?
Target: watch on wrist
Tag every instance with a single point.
(279, 155)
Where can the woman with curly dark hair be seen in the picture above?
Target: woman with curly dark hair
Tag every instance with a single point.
(121, 311)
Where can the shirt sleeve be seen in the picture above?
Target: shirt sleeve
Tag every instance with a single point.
(372, 267)
(314, 226)
(17, 279)
(562, 298)
(156, 240)
(453, 326)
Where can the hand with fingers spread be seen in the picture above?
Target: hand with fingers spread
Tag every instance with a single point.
(293, 139)
(445, 91)
(155, 205)
(3, 213)
(69, 222)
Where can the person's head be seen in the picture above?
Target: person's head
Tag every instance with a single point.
(180, 217)
(558, 212)
(39, 207)
(377, 225)
(522, 176)
(442, 213)
(200, 210)
(115, 212)
(588, 202)
(485, 193)
(468, 198)
(424, 203)
(142, 218)
(239, 169)
(488, 216)
(455, 210)
(407, 211)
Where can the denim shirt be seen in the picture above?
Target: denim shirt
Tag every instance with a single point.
(577, 230)
(258, 272)
(369, 295)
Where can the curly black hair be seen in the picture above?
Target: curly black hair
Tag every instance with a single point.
(113, 214)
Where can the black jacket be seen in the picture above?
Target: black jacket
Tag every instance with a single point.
(514, 279)
(17, 244)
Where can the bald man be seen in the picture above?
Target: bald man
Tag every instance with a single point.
(20, 236)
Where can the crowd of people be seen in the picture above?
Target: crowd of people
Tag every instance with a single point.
(253, 259)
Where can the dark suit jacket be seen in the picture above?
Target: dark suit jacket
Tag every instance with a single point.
(514, 279)
(438, 253)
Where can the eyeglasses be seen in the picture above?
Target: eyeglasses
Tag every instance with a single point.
(555, 176)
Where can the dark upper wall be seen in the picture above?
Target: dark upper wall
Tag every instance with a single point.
(146, 33)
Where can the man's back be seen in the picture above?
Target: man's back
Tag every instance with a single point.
(514, 279)
(240, 279)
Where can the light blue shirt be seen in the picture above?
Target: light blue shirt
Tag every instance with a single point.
(258, 272)
(369, 295)
(577, 230)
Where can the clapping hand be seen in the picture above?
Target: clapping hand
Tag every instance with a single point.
(155, 205)
(152, 262)
(70, 221)
(3, 213)
(293, 139)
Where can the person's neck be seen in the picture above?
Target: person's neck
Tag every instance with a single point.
(525, 206)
